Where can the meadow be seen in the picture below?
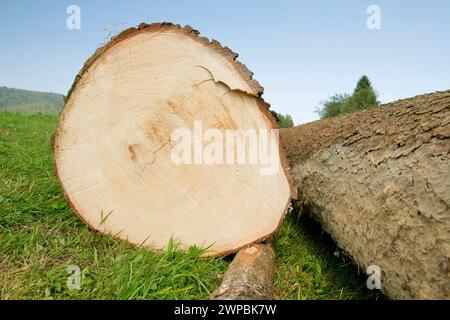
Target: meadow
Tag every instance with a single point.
(40, 238)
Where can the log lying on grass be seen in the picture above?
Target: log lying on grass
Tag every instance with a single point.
(379, 182)
(250, 275)
(114, 148)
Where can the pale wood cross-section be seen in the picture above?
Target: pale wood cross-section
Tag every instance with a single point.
(113, 147)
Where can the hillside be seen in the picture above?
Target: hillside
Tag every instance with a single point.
(28, 102)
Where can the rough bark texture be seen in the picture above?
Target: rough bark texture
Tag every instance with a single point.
(379, 182)
(250, 275)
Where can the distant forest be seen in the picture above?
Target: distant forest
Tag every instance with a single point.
(28, 102)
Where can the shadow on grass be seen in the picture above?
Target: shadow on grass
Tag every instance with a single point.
(311, 266)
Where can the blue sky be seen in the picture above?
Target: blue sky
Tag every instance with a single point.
(300, 51)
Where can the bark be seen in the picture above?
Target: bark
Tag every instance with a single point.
(379, 182)
(250, 276)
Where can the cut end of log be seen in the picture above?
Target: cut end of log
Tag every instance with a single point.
(115, 144)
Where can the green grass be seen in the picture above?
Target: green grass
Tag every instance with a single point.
(311, 266)
(40, 238)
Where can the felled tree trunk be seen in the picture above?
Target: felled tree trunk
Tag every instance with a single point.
(114, 146)
(378, 181)
(250, 275)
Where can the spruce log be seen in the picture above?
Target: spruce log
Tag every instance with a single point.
(113, 146)
(378, 181)
(250, 275)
